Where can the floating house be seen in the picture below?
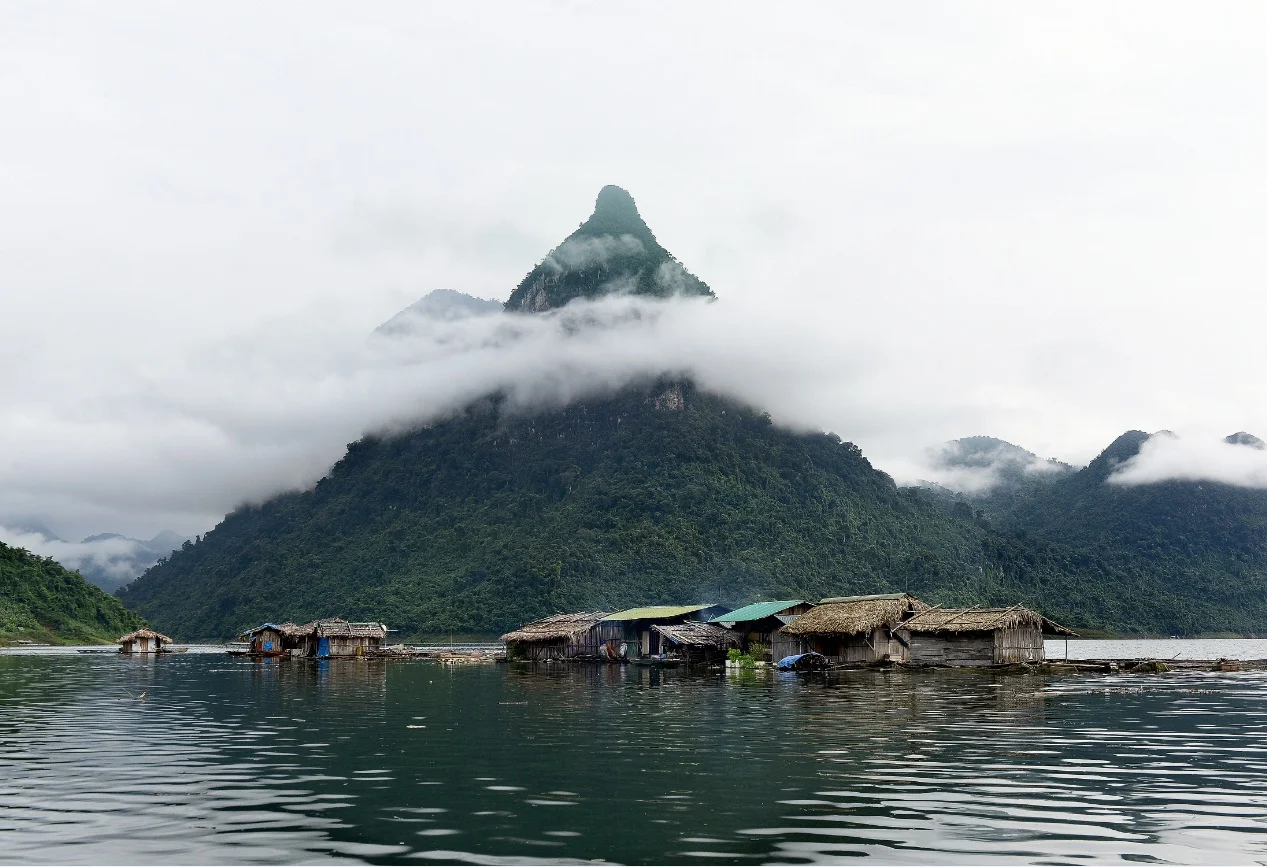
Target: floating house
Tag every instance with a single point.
(143, 641)
(268, 639)
(332, 637)
(692, 641)
(761, 622)
(861, 629)
(979, 636)
(629, 632)
(560, 636)
(337, 637)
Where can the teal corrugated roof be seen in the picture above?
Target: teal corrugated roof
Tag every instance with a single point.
(756, 611)
(651, 612)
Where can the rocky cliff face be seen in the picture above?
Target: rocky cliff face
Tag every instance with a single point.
(613, 252)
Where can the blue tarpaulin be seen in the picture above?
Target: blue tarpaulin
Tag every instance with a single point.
(802, 661)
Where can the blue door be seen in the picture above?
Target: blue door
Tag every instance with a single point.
(323, 648)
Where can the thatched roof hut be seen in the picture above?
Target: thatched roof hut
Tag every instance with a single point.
(559, 636)
(692, 633)
(694, 641)
(853, 615)
(979, 636)
(144, 632)
(337, 627)
(937, 619)
(556, 627)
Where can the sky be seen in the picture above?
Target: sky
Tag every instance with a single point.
(923, 221)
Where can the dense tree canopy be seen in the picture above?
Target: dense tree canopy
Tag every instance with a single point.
(41, 601)
(658, 494)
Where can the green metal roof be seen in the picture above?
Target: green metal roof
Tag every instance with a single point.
(872, 598)
(651, 612)
(756, 611)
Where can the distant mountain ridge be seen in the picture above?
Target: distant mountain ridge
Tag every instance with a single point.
(106, 560)
(442, 304)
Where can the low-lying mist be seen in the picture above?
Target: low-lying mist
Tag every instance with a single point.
(176, 440)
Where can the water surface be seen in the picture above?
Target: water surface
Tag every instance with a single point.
(196, 758)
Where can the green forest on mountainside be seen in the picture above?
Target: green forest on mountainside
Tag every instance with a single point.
(1203, 542)
(656, 495)
(41, 601)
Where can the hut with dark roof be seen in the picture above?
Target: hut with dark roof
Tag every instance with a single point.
(762, 622)
(862, 629)
(976, 637)
(628, 633)
(692, 641)
(144, 640)
(559, 636)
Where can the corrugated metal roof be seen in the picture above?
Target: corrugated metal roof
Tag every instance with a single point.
(871, 598)
(756, 611)
(651, 612)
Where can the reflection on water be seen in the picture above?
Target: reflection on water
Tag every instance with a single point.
(196, 758)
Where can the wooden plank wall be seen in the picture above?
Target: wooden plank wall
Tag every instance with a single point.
(956, 648)
(782, 644)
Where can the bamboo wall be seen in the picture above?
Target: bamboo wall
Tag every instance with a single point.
(1022, 644)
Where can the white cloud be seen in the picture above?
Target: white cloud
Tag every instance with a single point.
(118, 558)
(1194, 459)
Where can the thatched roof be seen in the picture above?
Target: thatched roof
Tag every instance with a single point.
(982, 620)
(850, 615)
(338, 628)
(696, 634)
(144, 632)
(556, 627)
(654, 612)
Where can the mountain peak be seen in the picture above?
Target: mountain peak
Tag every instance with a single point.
(1241, 438)
(616, 214)
(613, 252)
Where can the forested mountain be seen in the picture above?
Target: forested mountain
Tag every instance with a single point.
(1204, 534)
(657, 493)
(43, 602)
(1204, 541)
(612, 251)
(994, 476)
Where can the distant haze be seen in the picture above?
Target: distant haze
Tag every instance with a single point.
(1041, 224)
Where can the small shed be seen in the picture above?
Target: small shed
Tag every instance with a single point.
(337, 637)
(860, 629)
(559, 636)
(144, 640)
(631, 629)
(979, 636)
(692, 641)
(267, 639)
(761, 622)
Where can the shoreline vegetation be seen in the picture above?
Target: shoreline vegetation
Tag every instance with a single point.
(41, 601)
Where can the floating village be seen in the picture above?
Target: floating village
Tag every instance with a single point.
(845, 632)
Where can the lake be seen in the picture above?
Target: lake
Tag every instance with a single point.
(197, 758)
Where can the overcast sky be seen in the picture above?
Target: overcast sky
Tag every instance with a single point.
(1040, 222)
